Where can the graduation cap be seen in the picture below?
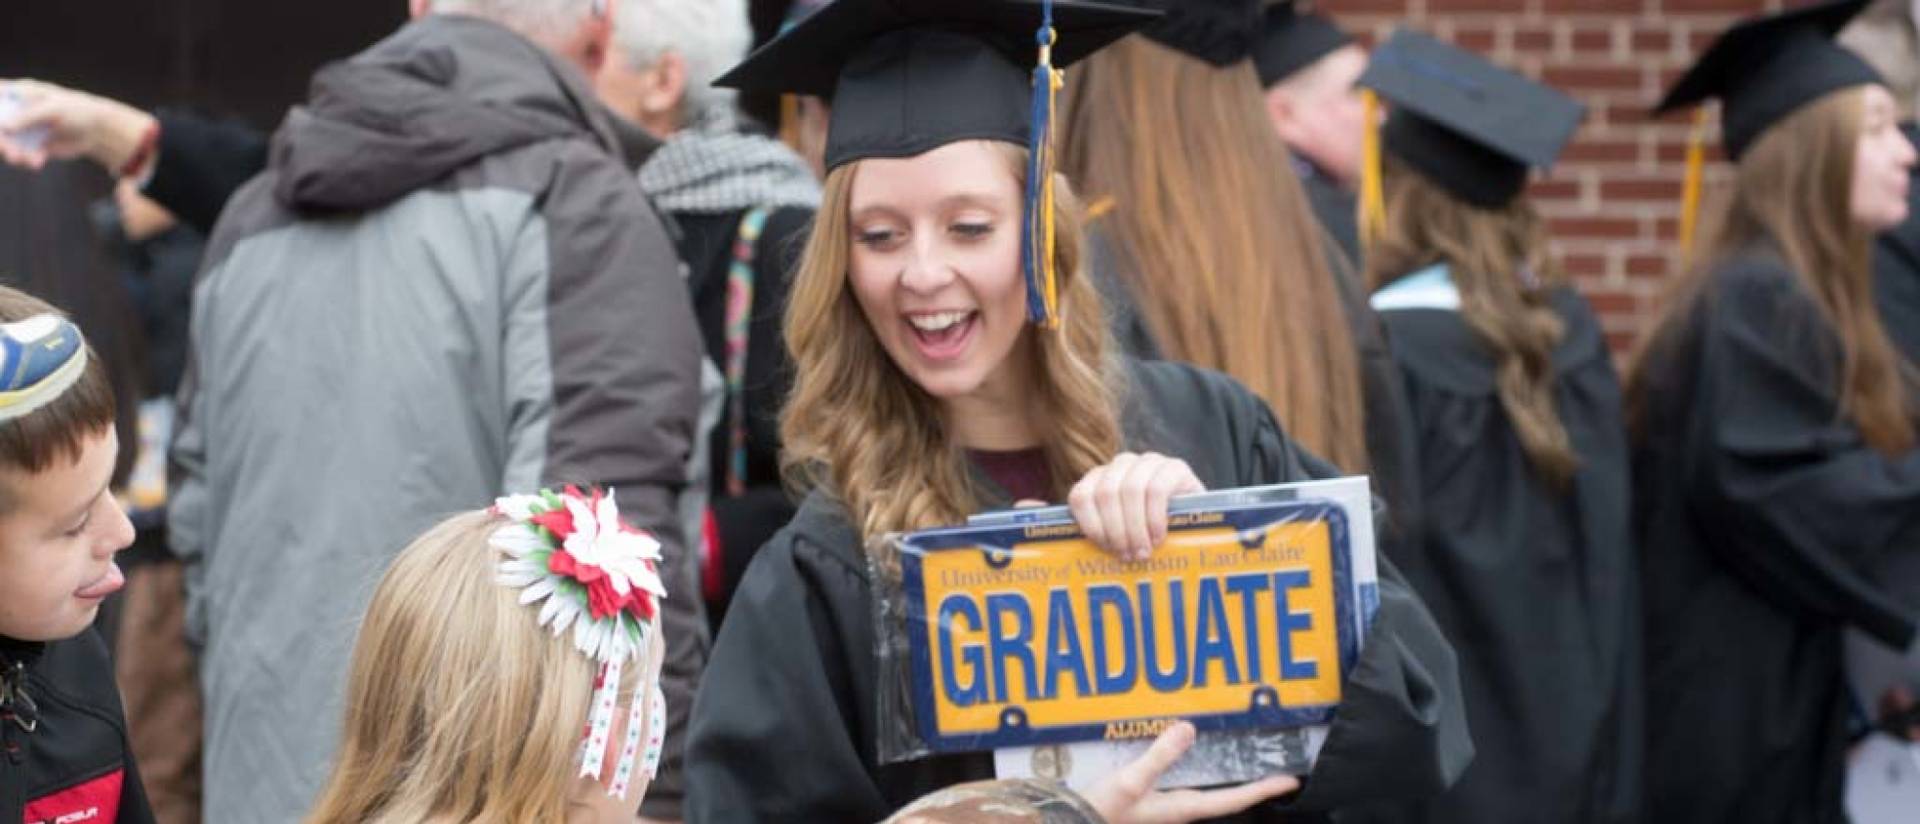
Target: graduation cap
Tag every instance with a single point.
(1291, 39)
(1763, 69)
(1220, 32)
(909, 76)
(1472, 127)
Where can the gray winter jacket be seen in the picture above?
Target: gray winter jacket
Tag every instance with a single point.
(443, 288)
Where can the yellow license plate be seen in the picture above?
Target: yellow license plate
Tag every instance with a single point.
(1029, 634)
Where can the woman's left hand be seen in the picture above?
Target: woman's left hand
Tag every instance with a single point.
(1122, 507)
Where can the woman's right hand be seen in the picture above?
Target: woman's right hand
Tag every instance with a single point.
(1122, 507)
(1128, 796)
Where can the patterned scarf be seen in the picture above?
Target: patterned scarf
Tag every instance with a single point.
(711, 167)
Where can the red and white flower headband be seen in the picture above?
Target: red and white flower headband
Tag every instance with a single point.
(592, 573)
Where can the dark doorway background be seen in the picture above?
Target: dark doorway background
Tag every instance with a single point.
(245, 58)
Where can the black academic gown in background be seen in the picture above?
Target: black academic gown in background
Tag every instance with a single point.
(1535, 586)
(1759, 508)
(784, 728)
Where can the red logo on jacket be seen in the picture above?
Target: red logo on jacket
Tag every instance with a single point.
(96, 800)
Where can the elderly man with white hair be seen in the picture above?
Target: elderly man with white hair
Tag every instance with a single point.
(742, 202)
(444, 287)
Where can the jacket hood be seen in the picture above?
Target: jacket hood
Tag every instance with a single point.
(442, 92)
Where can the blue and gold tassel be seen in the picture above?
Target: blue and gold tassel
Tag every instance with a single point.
(1036, 236)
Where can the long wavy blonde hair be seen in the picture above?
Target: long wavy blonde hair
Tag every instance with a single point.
(1488, 250)
(859, 427)
(460, 708)
(1225, 259)
(1791, 192)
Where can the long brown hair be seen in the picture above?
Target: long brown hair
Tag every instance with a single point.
(1226, 262)
(460, 707)
(859, 427)
(1491, 253)
(1791, 193)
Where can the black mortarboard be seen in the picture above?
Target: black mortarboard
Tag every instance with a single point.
(908, 76)
(1292, 39)
(1220, 32)
(1764, 68)
(1467, 124)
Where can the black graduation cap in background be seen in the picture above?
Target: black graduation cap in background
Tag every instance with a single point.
(1292, 38)
(908, 76)
(1764, 68)
(1470, 126)
(1220, 32)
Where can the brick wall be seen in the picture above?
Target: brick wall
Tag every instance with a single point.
(1614, 200)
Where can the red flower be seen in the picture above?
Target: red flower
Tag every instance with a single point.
(557, 521)
(603, 601)
(563, 563)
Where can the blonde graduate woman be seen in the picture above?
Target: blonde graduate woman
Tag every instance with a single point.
(940, 371)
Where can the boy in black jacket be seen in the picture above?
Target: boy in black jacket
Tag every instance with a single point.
(63, 735)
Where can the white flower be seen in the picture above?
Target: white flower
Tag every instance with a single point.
(598, 540)
(518, 507)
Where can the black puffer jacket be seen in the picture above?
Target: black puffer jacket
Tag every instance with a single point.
(63, 736)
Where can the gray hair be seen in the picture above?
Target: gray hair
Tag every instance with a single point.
(1886, 37)
(709, 35)
(537, 19)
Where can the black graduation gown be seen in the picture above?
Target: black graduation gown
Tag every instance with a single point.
(1758, 507)
(1534, 586)
(783, 728)
(1896, 272)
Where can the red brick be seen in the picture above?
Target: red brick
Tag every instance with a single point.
(1700, 38)
(1717, 6)
(1621, 342)
(1651, 41)
(1344, 7)
(1532, 39)
(1602, 151)
(1475, 39)
(1448, 6)
(1667, 229)
(1675, 151)
(1564, 189)
(1591, 40)
(1595, 78)
(1649, 266)
(1613, 302)
(1659, 189)
(1587, 265)
(1637, 114)
(1596, 228)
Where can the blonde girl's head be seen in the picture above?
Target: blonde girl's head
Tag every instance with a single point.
(461, 707)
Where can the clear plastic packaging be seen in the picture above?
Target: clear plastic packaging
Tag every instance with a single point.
(1013, 634)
